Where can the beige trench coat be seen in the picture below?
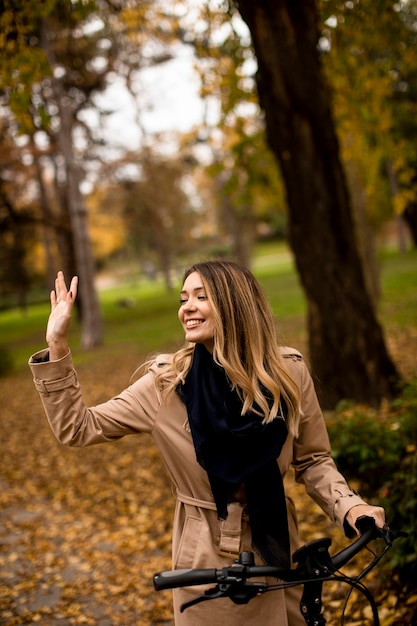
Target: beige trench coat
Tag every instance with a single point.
(199, 539)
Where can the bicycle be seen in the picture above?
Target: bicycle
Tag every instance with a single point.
(315, 566)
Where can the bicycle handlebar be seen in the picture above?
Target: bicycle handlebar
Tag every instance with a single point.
(314, 562)
(368, 531)
(314, 567)
(185, 578)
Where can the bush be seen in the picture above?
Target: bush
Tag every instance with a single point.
(6, 361)
(379, 449)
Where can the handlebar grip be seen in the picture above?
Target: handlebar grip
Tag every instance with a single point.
(184, 578)
(367, 528)
(364, 523)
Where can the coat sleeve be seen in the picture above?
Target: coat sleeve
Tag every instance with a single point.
(73, 423)
(312, 461)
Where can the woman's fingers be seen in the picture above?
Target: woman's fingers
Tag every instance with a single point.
(357, 511)
(61, 293)
(62, 302)
(60, 286)
(73, 288)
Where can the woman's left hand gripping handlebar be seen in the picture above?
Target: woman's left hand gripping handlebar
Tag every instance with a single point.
(368, 510)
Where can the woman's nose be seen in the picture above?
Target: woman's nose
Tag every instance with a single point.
(190, 305)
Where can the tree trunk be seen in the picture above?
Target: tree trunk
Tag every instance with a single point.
(410, 218)
(347, 350)
(364, 233)
(399, 220)
(91, 318)
(239, 228)
(63, 234)
(47, 219)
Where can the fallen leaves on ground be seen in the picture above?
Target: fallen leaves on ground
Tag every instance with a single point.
(82, 531)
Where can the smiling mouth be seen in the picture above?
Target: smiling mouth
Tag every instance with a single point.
(193, 323)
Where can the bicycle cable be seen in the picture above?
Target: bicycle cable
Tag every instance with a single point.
(364, 572)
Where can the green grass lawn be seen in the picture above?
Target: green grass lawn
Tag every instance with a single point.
(150, 322)
(399, 289)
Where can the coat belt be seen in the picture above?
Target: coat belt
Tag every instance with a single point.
(230, 528)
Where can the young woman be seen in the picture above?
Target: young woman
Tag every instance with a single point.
(229, 412)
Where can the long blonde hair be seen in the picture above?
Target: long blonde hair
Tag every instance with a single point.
(245, 343)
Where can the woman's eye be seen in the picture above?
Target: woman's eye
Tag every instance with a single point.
(199, 297)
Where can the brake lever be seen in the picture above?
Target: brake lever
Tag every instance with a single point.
(364, 523)
(389, 535)
(210, 594)
(240, 592)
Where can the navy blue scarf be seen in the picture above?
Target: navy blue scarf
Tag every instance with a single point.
(238, 449)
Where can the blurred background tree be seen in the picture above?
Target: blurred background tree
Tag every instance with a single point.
(218, 188)
(46, 82)
(57, 56)
(153, 212)
(372, 72)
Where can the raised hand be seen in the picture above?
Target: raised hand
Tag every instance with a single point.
(62, 302)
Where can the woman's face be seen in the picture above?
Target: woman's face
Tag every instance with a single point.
(195, 312)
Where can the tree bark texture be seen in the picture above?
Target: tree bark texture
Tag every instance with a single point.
(91, 317)
(410, 218)
(348, 354)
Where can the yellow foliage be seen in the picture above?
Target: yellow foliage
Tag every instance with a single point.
(107, 235)
(107, 229)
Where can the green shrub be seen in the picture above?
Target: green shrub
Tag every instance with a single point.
(379, 450)
(6, 361)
